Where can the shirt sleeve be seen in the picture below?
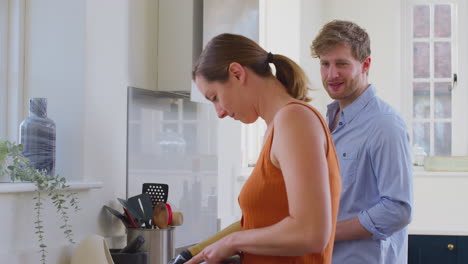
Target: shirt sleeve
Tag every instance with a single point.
(391, 164)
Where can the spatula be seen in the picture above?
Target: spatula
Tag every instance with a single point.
(142, 205)
(157, 191)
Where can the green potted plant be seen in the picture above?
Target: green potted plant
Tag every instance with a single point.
(19, 169)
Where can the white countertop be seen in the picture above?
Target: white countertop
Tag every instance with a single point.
(437, 232)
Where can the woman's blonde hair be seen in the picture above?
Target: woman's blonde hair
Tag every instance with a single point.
(222, 50)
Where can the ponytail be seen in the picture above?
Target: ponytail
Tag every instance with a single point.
(224, 49)
(292, 77)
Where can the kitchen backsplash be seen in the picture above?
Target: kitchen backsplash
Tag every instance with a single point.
(173, 140)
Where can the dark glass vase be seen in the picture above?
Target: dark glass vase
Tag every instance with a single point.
(37, 135)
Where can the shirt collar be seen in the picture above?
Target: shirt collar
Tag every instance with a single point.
(355, 107)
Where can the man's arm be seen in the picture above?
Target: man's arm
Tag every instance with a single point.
(351, 229)
(390, 156)
(391, 165)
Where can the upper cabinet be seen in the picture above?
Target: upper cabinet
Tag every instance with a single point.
(143, 43)
(165, 41)
(179, 42)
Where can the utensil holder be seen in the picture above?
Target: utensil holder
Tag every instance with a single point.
(159, 243)
(129, 258)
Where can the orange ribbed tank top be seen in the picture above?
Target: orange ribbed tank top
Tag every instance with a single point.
(264, 202)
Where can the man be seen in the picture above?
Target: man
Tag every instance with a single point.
(372, 145)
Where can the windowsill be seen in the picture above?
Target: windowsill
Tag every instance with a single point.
(20, 187)
(420, 172)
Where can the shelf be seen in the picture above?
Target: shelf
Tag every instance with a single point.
(30, 187)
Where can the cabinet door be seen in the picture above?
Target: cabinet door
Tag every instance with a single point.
(424, 249)
(180, 27)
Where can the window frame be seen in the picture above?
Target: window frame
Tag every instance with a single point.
(3, 65)
(12, 30)
(459, 120)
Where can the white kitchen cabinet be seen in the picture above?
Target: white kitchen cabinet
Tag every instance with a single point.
(179, 43)
(165, 39)
(143, 43)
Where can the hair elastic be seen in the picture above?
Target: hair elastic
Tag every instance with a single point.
(270, 57)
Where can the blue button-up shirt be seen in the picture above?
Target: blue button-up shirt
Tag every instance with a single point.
(372, 145)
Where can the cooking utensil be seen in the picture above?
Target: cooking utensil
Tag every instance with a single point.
(133, 246)
(177, 219)
(132, 224)
(157, 191)
(161, 216)
(119, 215)
(142, 205)
(231, 260)
(131, 212)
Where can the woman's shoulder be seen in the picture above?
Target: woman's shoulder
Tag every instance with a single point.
(297, 112)
(298, 119)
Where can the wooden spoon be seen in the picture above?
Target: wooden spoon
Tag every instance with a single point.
(161, 216)
(177, 219)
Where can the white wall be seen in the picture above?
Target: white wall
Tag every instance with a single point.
(76, 56)
(383, 29)
(313, 16)
(105, 114)
(440, 204)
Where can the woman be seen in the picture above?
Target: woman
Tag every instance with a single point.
(289, 203)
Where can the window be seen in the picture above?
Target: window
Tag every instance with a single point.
(3, 64)
(438, 122)
(11, 67)
(252, 142)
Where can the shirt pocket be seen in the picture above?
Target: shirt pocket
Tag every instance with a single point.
(348, 165)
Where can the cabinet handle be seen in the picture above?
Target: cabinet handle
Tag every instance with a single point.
(450, 247)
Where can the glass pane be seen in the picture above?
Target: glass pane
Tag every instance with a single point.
(443, 100)
(421, 100)
(172, 112)
(170, 128)
(189, 110)
(442, 21)
(421, 21)
(421, 59)
(190, 136)
(442, 60)
(443, 139)
(421, 136)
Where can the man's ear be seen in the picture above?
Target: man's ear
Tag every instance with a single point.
(366, 65)
(237, 71)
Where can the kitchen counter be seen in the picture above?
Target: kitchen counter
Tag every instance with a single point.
(437, 232)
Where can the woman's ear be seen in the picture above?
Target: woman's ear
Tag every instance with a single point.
(237, 71)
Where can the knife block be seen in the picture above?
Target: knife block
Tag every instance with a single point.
(159, 243)
(129, 258)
